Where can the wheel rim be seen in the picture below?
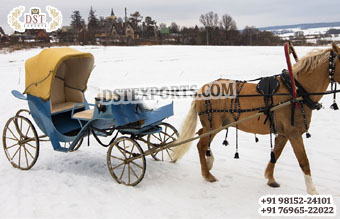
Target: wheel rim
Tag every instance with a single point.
(168, 135)
(20, 142)
(122, 168)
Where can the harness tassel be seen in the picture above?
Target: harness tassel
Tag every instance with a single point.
(225, 142)
(334, 106)
(237, 156)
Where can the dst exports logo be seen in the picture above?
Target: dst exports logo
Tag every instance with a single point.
(34, 19)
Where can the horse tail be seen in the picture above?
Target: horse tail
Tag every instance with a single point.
(187, 131)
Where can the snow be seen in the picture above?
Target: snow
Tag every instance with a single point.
(78, 184)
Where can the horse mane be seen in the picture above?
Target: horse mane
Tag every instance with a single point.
(310, 61)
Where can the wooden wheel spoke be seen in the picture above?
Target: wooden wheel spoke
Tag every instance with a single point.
(160, 137)
(134, 173)
(26, 156)
(117, 166)
(170, 136)
(29, 127)
(11, 146)
(167, 151)
(15, 152)
(122, 151)
(121, 175)
(131, 151)
(157, 137)
(29, 152)
(137, 165)
(13, 133)
(30, 145)
(165, 134)
(12, 138)
(117, 158)
(124, 145)
(155, 154)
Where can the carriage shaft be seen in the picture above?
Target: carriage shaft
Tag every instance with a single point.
(174, 144)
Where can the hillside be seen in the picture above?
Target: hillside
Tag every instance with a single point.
(308, 33)
(302, 26)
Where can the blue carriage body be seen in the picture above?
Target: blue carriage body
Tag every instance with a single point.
(58, 117)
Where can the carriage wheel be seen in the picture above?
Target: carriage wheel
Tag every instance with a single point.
(21, 111)
(126, 161)
(68, 145)
(21, 142)
(168, 135)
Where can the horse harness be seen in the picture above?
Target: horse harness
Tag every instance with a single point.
(267, 87)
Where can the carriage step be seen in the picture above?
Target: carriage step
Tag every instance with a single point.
(60, 149)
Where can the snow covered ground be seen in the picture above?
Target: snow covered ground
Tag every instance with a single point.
(78, 185)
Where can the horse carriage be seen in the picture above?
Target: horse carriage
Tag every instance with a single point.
(55, 82)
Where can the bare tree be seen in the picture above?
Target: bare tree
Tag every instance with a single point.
(228, 25)
(174, 28)
(209, 21)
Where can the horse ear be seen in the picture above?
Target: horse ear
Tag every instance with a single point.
(335, 48)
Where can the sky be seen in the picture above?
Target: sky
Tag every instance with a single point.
(258, 13)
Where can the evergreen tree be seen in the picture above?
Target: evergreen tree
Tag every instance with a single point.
(93, 24)
(135, 18)
(77, 23)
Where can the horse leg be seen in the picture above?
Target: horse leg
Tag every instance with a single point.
(300, 153)
(280, 143)
(202, 147)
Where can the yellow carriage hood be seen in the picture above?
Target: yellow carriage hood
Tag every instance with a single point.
(41, 69)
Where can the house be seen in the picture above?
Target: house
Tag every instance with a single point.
(31, 35)
(65, 34)
(130, 31)
(124, 30)
(42, 36)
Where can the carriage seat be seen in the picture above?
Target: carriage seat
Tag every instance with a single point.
(84, 115)
(62, 107)
(64, 98)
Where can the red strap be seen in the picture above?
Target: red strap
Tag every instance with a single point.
(290, 70)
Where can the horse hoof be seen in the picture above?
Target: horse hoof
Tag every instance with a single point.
(274, 184)
(312, 192)
(211, 178)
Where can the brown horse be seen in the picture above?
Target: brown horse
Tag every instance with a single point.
(311, 71)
